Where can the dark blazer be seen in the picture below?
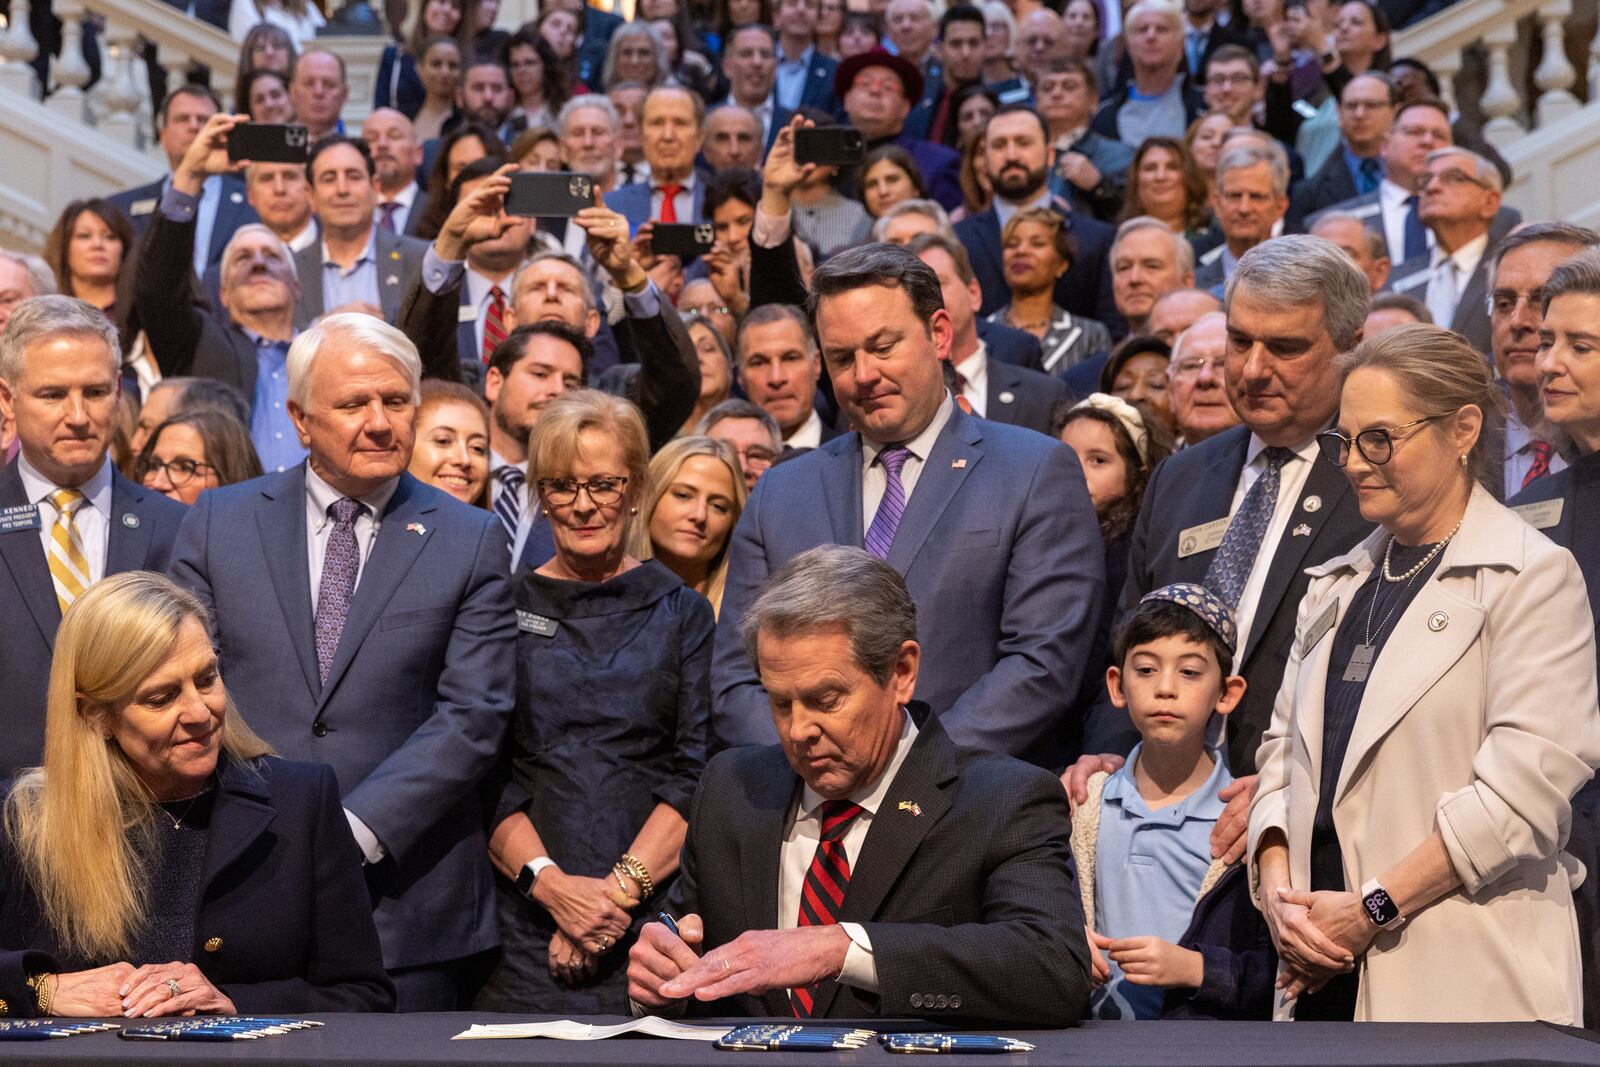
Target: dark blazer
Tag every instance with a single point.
(282, 924)
(1472, 308)
(417, 697)
(1229, 932)
(141, 205)
(1010, 345)
(633, 201)
(1209, 271)
(1369, 209)
(818, 91)
(398, 85)
(1112, 159)
(971, 905)
(1330, 185)
(1084, 290)
(143, 525)
(1001, 552)
(598, 26)
(1022, 397)
(399, 264)
(419, 209)
(1195, 486)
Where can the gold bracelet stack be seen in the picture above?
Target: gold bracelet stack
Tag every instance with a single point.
(629, 865)
(44, 987)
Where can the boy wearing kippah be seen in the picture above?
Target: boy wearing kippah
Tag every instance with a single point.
(1177, 927)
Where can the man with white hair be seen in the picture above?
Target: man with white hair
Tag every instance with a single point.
(1148, 261)
(1158, 100)
(1197, 378)
(67, 518)
(366, 621)
(22, 277)
(1460, 195)
(1250, 198)
(1360, 242)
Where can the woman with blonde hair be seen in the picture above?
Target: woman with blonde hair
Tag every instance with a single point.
(696, 496)
(162, 861)
(612, 723)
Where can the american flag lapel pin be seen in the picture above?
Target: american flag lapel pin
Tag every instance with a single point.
(958, 464)
(416, 528)
(910, 805)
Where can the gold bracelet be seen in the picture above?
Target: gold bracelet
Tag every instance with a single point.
(619, 874)
(639, 873)
(43, 986)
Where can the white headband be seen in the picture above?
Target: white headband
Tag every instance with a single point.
(1126, 414)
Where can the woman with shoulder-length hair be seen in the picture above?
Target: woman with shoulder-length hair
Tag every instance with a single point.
(1437, 715)
(162, 861)
(696, 496)
(194, 451)
(612, 725)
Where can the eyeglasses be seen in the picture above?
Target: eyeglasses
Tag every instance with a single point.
(1375, 445)
(1220, 80)
(180, 472)
(562, 492)
(1191, 368)
(1453, 176)
(707, 310)
(1508, 301)
(756, 454)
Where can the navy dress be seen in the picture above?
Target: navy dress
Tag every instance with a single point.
(613, 717)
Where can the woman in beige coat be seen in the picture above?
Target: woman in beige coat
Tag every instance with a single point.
(1437, 714)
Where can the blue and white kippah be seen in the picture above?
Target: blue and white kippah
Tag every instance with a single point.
(1204, 603)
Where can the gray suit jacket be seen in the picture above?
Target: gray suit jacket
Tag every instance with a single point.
(1472, 308)
(1369, 209)
(399, 264)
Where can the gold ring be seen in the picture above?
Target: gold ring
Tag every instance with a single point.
(727, 968)
(173, 988)
(605, 943)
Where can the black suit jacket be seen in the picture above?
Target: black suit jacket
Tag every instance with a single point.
(1330, 185)
(1010, 345)
(1084, 290)
(1022, 397)
(970, 899)
(143, 525)
(1195, 486)
(283, 923)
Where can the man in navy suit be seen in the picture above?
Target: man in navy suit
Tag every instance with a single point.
(805, 77)
(365, 622)
(1021, 159)
(223, 208)
(990, 525)
(67, 518)
(1366, 111)
(778, 368)
(672, 127)
(991, 388)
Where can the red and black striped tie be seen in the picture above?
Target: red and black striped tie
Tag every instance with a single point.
(494, 323)
(1541, 462)
(822, 895)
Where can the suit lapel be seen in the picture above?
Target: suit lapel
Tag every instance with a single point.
(1002, 379)
(23, 553)
(308, 264)
(1330, 487)
(844, 508)
(242, 813)
(281, 522)
(128, 541)
(763, 833)
(466, 330)
(1470, 307)
(401, 537)
(1220, 480)
(391, 273)
(956, 451)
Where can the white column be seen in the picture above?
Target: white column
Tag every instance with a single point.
(17, 47)
(1445, 67)
(1500, 101)
(121, 95)
(68, 71)
(1555, 75)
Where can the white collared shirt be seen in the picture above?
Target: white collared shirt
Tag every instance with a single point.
(1442, 302)
(406, 198)
(808, 434)
(1004, 209)
(874, 480)
(975, 369)
(303, 240)
(1291, 482)
(1392, 203)
(93, 518)
(320, 496)
(800, 845)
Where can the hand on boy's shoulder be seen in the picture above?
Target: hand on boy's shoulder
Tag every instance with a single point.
(1231, 834)
(1075, 779)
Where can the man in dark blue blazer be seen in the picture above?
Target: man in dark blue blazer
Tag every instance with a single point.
(805, 76)
(672, 129)
(1021, 159)
(990, 525)
(57, 346)
(223, 208)
(366, 623)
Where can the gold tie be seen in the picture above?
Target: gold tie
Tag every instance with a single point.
(69, 567)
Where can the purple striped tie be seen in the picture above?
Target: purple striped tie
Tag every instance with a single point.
(880, 535)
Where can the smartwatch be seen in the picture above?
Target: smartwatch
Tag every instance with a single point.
(1379, 906)
(530, 874)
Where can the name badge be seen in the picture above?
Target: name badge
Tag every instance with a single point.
(1202, 538)
(466, 313)
(529, 623)
(1542, 515)
(142, 207)
(20, 517)
(1319, 628)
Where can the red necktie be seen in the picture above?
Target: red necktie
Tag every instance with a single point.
(1541, 462)
(494, 324)
(822, 895)
(669, 206)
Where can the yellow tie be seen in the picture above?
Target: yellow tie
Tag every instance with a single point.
(69, 567)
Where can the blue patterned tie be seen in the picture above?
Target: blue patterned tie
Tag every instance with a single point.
(1369, 174)
(1416, 236)
(340, 564)
(1230, 567)
(880, 535)
(508, 502)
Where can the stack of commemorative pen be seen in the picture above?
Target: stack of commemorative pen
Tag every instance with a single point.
(45, 1029)
(773, 1037)
(952, 1043)
(216, 1028)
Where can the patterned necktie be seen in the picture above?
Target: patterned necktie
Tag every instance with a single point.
(1443, 292)
(1541, 462)
(822, 894)
(1368, 174)
(669, 201)
(340, 564)
(880, 535)
(1230, 567)
(69, 565)
(1194, 45)
(388, 207)
(494, 323)
(508, 501)
(1416, 236)
(961, 393)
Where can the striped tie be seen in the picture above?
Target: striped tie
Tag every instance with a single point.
(880, 535)
(508, 501)
(494, 323)
(69, 567)
(1541, 462)
(822, 895)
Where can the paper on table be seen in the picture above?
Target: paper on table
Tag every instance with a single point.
(570, 1030)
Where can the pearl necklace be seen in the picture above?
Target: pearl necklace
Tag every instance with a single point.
(1390, 576)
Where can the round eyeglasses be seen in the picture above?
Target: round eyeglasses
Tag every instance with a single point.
(1375, 445)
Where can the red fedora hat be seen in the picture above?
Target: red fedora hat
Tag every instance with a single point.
(910, 77)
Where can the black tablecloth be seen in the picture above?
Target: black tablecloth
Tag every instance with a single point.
(425, 1039)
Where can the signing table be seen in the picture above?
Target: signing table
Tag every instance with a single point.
(425, 1039)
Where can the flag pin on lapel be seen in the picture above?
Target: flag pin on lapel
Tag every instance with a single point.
(910, 805)
(958, 464)
(394, 254)
(416, 528)
(1302, 530)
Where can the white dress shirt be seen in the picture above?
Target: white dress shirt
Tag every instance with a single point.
(808, 434)
(1291, 482)
(975, 370)
(683, 203)
(1004, 209)
(874, 479)
(1451, 271)
(800, 846)
(93, 518)
(303, 240)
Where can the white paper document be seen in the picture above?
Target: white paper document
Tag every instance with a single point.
(570, 1030)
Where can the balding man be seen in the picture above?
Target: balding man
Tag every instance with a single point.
(397, 154)
(1364, 245)
(1366, 111)
(1197, 377)
(67, 518)
(365, 618)
(1039, 41)
(1177, 311)
(734, 138)
(318, 87)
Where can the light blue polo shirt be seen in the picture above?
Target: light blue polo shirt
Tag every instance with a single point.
(1147, 874)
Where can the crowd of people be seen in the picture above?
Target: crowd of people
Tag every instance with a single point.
(1149, 483)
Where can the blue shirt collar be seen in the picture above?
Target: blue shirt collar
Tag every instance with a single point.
(1203, 803)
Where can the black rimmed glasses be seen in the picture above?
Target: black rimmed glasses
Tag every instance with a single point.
(180, 471)
(1375, 445)
(562, 492)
